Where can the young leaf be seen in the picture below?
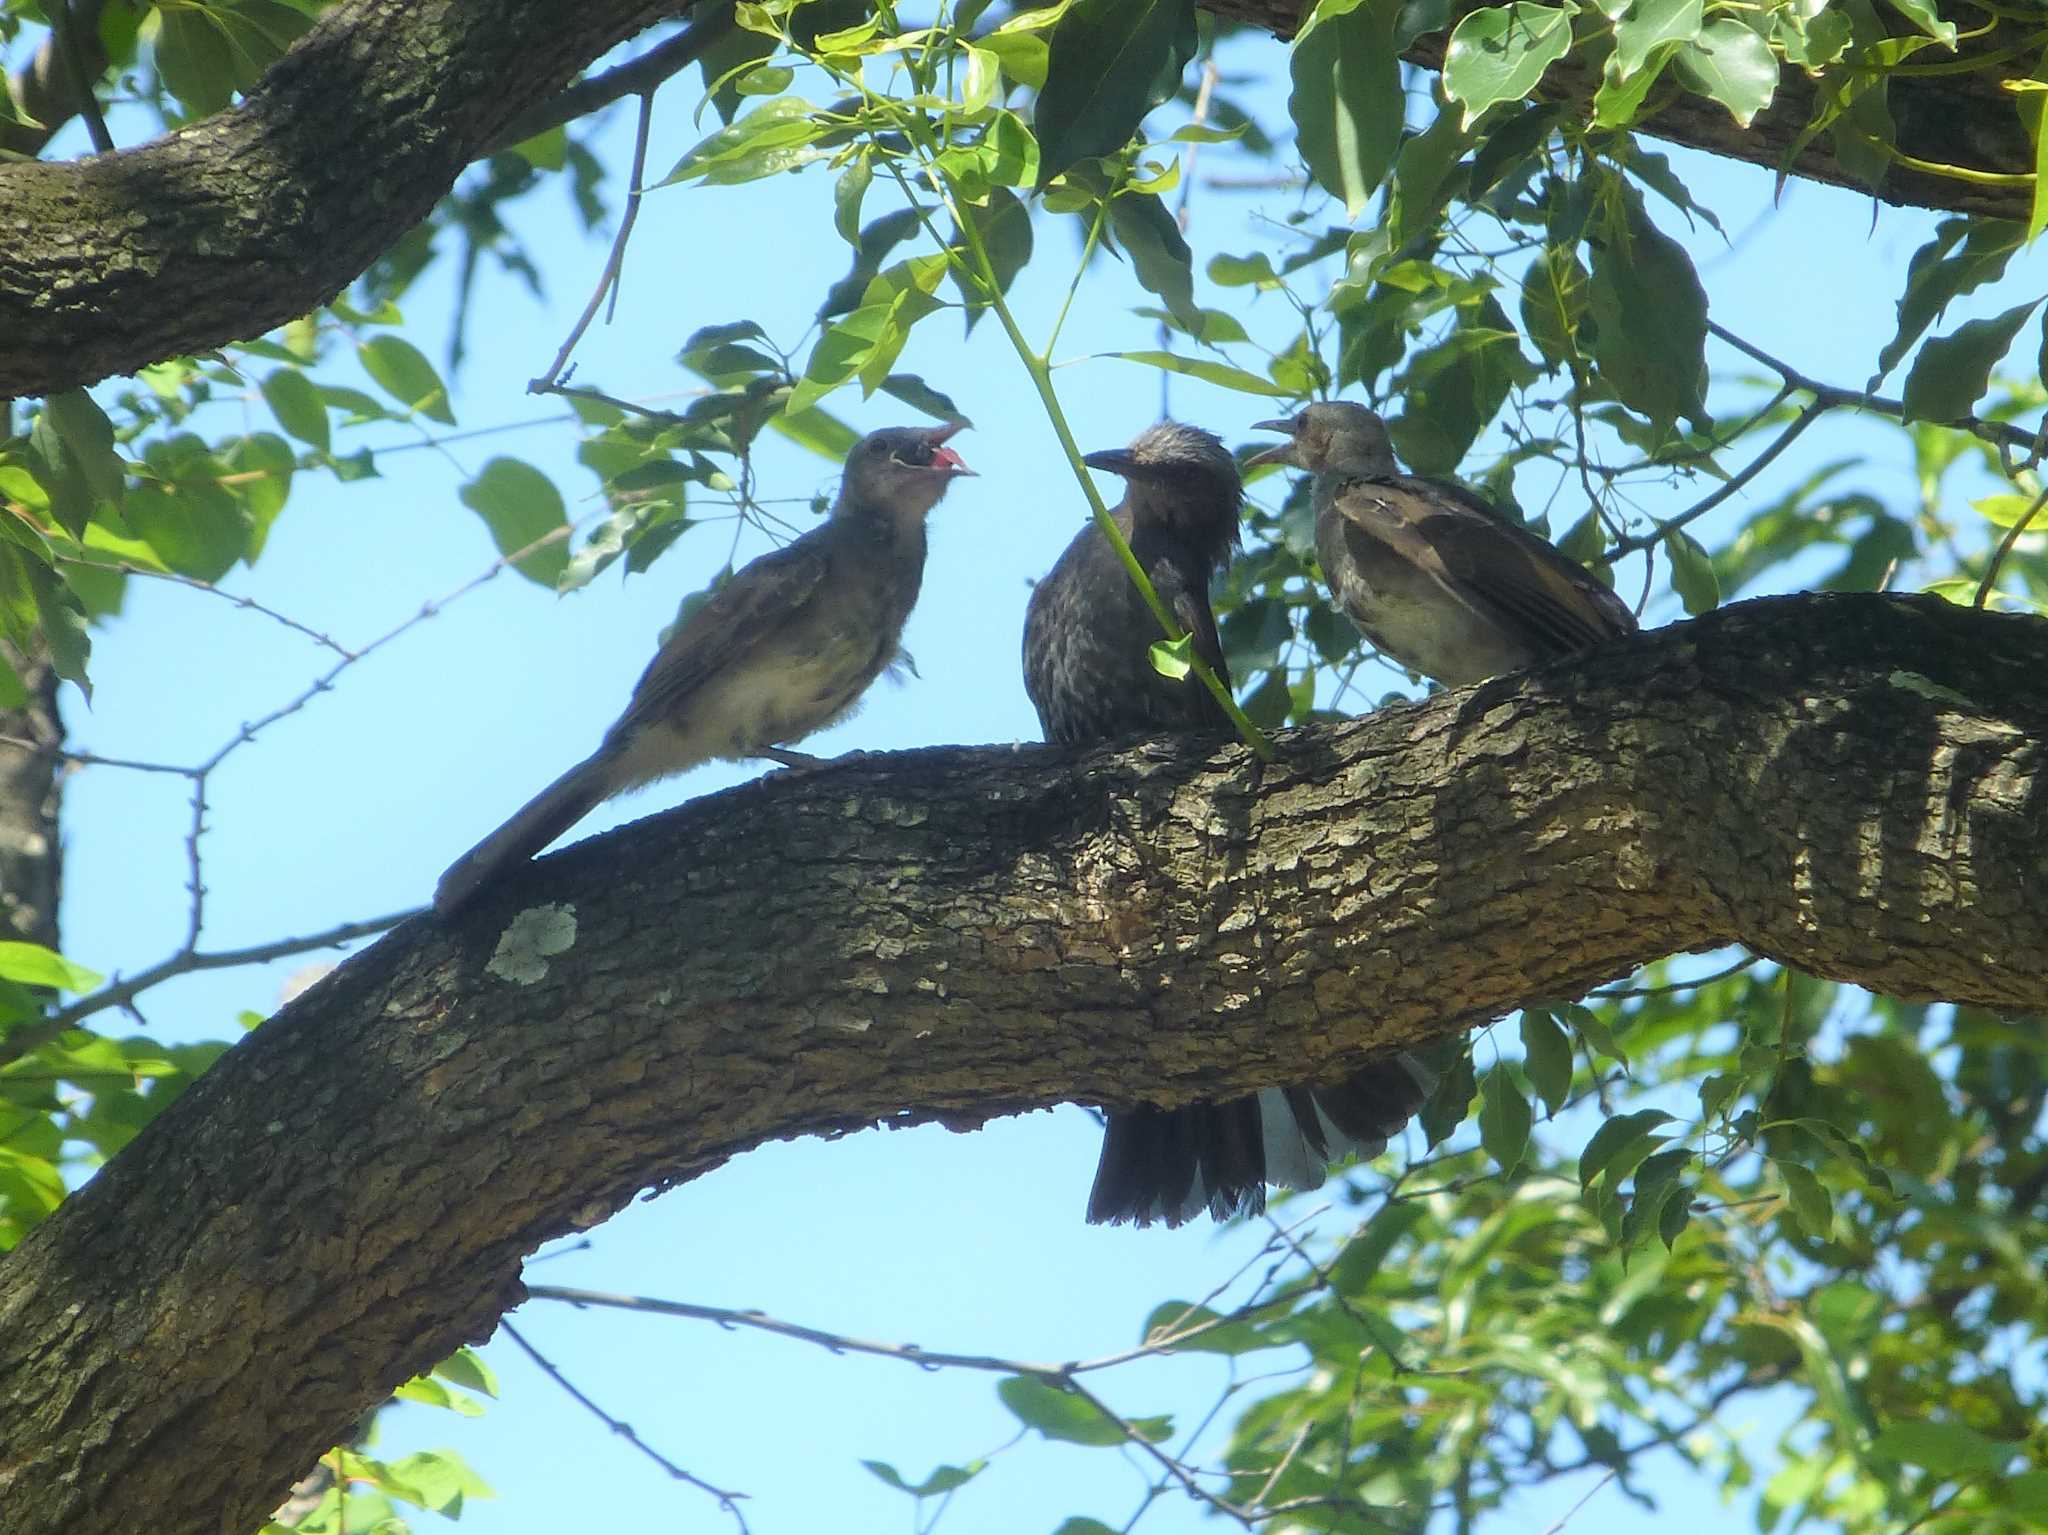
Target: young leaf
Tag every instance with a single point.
(1106, 58)
(1499, 52)
(1811, 1205)
(1734, 66)
(1063, 1415)
(1172, 659)
(30, 964)
(1648, 25)
(1347, 102)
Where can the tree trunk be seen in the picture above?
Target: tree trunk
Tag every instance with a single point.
(31, 853)
(263, 212)
(1852, 784)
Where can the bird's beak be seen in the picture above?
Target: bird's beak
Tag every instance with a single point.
(1114, 461)
(944, 457)
(1280, 452)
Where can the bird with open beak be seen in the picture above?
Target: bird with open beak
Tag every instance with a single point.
(1087, 666)
(1433, 575)
(784, 648)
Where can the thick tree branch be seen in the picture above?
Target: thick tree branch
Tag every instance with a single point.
(263, 212)
(221, 230)
(1964, 119)
(1852, 784)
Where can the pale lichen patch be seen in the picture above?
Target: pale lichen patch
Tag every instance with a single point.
(1927, 687)
(524, 947)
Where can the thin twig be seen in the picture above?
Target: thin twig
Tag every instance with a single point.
(1799, 423)
(638, 77)
(614, 262)
(1572, 1513)
(58, 14)
(2012, 536)
(22, 1041)
(729, 1501)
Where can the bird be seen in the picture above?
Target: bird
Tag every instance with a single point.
(1087, 667)
(782, 649)
(1434, 575)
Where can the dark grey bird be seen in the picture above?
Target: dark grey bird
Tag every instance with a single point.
(782, 649)
(1087, 666)
(1435, 576)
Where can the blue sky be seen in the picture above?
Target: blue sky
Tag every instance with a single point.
(352, 807)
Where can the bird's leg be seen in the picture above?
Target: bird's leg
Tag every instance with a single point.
(801, 762)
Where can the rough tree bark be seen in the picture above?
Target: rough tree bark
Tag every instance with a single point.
(1854, 785)
(262, 213)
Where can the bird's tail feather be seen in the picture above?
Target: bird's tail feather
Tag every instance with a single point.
(532, 827)
(1169, 1164)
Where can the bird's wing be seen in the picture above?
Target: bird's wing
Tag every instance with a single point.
(756, 604)
(1503, 572)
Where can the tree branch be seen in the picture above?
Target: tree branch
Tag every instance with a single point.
(263, 212)
(1850, 784)
(1960, 124)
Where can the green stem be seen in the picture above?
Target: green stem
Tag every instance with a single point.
(984, 274)
(1041, 380)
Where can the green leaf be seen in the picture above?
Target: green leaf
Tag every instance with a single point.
(297, 406)
(847, 194)
(1734, 66)
(402, 371)
(194, 526)
(1172, 659)
(943, 1480)
(1952, 372)
(1692, 572)
(1065, 1416)
(1652, 317)
(1547, 1057)
(31, 964)
(519, 504)
(916, 393)
(1451, 1102)
(1614, 1137)
(1347, 102)
(1211, 1334)
(89, 436)
(63, 619)
(776, 136)
(1503, 1120)
(1947, 1449)
(1221, 374)
(1812, 1206)
(466, 1367)
(1499, 52)
(1159, 255)
(194, 59)
(1255, 270)
(1107, 58)
(1924, 16)
(1648, 25)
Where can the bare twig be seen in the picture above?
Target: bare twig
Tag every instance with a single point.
(21, 1041)
(614, 264)
(1637, 542)
(637, 77)
(729, 1501)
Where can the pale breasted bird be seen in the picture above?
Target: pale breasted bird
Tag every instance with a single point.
(1087, 640)
(1432, 574)
(782, 649)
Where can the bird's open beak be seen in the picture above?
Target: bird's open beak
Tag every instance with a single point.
(1114, 461)
(1280, 452)
(944, 457)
